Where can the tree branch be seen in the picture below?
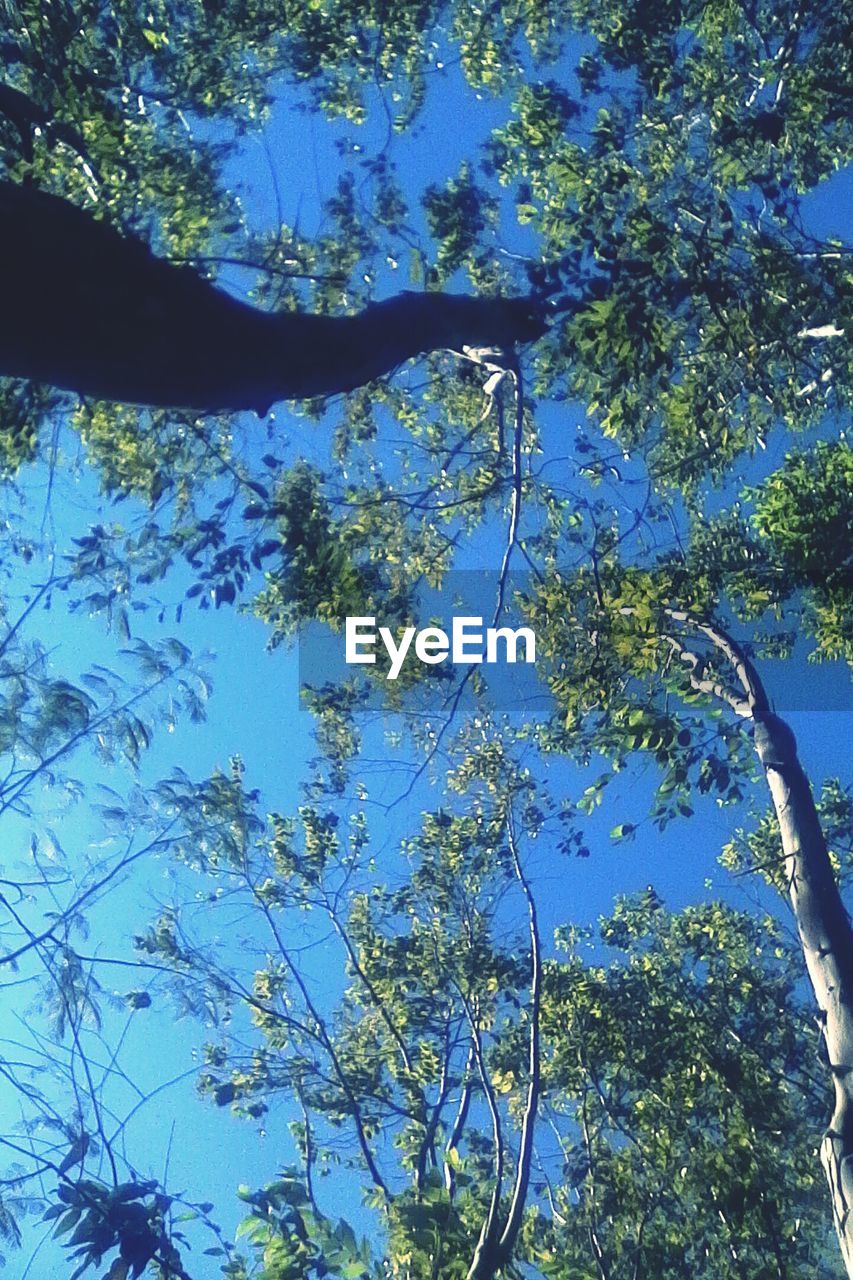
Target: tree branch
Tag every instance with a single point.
(525, 1154)
(92, 311)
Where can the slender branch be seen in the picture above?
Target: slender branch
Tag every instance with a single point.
(427, 1146)
(703, 684)
(525, 1155)
(482, 1265)
(516, 496)
(35, 940)
(459, 1122)
(378, 1002)
(597, 1249)
(326, 1041)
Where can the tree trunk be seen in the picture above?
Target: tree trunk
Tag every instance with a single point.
(822, 921)
(92, 311)
(827, 940)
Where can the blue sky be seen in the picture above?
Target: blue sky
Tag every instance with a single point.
(255, 712)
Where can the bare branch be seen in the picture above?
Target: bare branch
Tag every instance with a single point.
(525, 1154)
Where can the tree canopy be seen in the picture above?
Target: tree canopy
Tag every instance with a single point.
(558, 301)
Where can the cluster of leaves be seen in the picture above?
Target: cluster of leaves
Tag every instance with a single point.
(45, 718)
(678, 1100)
(294, 1241)
(803, 513)
(686, 1090)
(132, 1219)
(642, 201)
(757, 850)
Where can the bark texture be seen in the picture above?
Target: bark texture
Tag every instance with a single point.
(827, 941)
(92, 311)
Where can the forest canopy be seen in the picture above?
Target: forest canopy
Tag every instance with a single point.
(530, 309)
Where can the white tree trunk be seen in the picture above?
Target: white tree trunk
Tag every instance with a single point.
(827, 940)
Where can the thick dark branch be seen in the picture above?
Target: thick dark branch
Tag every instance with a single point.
(92, 311)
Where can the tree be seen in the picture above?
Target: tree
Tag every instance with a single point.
(648, 647)
(49, 719)
(659, 205)
(673, 1085)
(669, 259)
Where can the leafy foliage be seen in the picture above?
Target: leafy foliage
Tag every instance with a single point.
(647, 172)
(678, 1099)
(130, 1218)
